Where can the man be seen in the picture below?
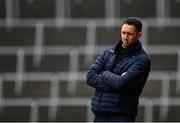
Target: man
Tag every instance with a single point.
(118, 76)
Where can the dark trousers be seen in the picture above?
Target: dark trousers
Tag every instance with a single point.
(114, 118)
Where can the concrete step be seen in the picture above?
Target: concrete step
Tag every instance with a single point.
(87, 9)
(163, 62)
(107, 35)
(163, 35)
(64, 114)
(172, 114)
(15, 114)
(2, 9)
(8, 63)
(42, 89)
(174, 8)
(17, 36)
(38, 9)
(53, 63)
(66, 36)
(139, 8)
(152, 89)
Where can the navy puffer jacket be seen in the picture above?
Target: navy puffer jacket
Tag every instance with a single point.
(118, 85)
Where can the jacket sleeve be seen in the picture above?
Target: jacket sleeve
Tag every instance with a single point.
(94, 77)
(136, 75)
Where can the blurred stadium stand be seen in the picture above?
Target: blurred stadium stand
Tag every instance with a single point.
(47, 46)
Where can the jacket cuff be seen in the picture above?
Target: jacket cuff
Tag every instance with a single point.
(111, 79)
(106, 76)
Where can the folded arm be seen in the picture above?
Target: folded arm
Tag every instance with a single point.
(135, 75)
(94, 77)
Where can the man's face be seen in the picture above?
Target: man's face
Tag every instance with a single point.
(129, 35)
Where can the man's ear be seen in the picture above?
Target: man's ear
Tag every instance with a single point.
(139, 35)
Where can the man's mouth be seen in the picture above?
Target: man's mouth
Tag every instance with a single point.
(125, 42)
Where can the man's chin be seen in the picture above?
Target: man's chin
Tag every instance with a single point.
(125, 45)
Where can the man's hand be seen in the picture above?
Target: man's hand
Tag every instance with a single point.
(123, 73)
(101, 73)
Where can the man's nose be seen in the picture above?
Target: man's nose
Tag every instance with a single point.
(126, 36)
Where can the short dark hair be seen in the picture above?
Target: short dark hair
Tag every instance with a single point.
(134, 21)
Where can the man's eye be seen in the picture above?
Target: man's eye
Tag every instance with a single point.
(123, 33)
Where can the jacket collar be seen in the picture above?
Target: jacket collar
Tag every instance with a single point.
(137, 46)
